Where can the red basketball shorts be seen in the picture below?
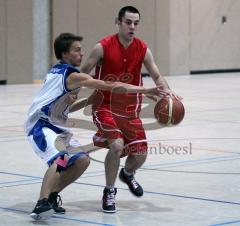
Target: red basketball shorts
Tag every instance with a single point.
(113, 126)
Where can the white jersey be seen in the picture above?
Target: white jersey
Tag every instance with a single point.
(52, 101)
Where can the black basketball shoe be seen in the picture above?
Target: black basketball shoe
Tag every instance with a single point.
(55, 201)
(42, 210)
(108, 200)
(133, 185)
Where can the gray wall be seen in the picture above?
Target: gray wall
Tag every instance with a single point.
(96, 19)
(3, 38)
(41, 38)
(214, 45)
(16, 41)
(184, 35)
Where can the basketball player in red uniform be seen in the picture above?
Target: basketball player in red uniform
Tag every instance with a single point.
(119, 57)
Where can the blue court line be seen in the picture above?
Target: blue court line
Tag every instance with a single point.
(34, 179)
(17, 181)
(19, 184)
(168, 194)
(173, 195)
(24, 175)
(21, 175)
(226, 223)
(57, 217)
(226, 157)
(175, 164)
(161, 193)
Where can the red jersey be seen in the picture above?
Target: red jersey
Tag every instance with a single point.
(124, 65)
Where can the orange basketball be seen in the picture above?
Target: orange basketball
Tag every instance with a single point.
(169, 111)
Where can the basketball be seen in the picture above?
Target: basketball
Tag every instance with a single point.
(169, 111)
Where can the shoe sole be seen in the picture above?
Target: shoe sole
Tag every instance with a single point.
(42, 216)
(59, 213)
(109, 211)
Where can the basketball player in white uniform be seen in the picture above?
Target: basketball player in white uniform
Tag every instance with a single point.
(47, 117)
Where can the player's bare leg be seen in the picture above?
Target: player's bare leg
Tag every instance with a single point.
(50, 180)
(126, 175)
(66, 177)
(43, 210)
(134, 162)
(53, 183)
(112, 161)
(72, 173)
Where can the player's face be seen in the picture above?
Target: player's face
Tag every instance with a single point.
(75, 54)
(128, 25)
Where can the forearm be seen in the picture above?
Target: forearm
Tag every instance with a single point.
(128, 88)
(81, 103)
(76, 80)
(161, 81)
(78, 105)
(119, 87)
(154, 72)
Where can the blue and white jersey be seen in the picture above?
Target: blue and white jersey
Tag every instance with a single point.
(53, 100)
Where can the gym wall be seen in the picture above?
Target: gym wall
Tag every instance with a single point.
(185, 36)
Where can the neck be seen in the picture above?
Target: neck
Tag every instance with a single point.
(64, 61)
(125, 42)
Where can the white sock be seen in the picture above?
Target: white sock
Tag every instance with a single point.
(127, 173)
(110, 187)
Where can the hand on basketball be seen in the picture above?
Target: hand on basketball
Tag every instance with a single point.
(170, 93)
(153, 93)
(158, 91)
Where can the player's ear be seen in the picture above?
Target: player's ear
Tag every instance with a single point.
(64, 54)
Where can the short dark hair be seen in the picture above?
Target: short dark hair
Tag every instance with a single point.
(63, 43)
(125, 9)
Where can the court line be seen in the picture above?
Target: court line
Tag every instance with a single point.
(195, 161)
(163, 194)
(36, 177)
(169, 165)
(226, 223)
(57, 217)
(189, 172)
(20, 184)
(95, 173)
(149, 165)
(169, 194)
(184, 163)
(21, 175)
(17, 181)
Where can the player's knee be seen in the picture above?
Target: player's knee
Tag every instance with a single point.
(83, 161)
(141, 158)
(117, 150)
(116, 147)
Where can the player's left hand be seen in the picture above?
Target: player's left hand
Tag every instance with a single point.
(172, 94)
(158, 91)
